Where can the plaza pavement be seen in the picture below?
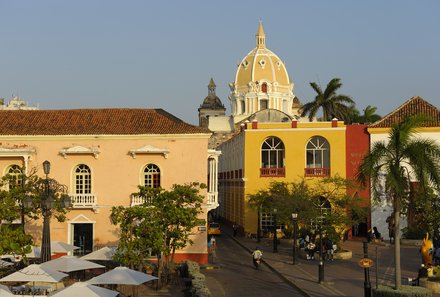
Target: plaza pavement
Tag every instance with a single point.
(341, 277)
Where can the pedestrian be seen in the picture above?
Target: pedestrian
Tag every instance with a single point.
(377, 234)
(329, 249)
(391, 226)
(235, 229)
(437, 256)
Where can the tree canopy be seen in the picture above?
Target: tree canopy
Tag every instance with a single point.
(333, 105)
(305, 199)
(159, 226)
(15, 189)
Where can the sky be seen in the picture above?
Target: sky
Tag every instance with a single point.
(60, 54)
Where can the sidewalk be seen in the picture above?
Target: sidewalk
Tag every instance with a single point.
(341, 277)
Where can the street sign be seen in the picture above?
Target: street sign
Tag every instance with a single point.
(365, 263)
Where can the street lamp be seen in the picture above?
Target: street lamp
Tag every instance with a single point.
(295, 221)
(321, 260)
(275, 237)
(46, 203)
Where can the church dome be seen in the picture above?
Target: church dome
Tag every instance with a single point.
(261, 65)
(212, 101)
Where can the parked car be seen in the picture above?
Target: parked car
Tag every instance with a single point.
(214, 229)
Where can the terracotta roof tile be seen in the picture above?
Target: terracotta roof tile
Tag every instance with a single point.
(115, 121)
(415, 105)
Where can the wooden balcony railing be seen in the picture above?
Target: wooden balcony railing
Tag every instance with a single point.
(272, 172)
(317, 172)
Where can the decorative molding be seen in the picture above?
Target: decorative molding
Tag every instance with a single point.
(79, 150)
(16, 151)
(149, 149)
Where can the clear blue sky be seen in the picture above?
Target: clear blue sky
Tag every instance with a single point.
(161, 54)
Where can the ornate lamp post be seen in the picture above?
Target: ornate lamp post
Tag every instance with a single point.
(295, 222)
(46, 203)
(275, 237)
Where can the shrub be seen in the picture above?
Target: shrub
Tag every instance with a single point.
(198, 286)
(413, 232)
(404, 291)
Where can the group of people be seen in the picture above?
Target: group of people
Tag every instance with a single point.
(312, 245)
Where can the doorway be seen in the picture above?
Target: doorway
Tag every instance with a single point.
(83, 238)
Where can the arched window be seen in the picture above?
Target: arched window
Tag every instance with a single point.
(272, 157)
(83, 179)
(152, 176)
(317, 157)
(264, 88)
(15, 176)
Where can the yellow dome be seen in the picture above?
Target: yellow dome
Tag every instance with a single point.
(261, 65)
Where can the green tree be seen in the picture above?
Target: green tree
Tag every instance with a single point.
(403, 154)
(305, 198)
(13, 239)
(333, 105)
(159, 226)
(369, 115)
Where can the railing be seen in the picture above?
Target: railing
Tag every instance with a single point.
(212, 200)
(139, 200)
(83, 200)
(317, 172)
(272, 172)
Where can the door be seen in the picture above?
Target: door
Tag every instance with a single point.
(83, 238)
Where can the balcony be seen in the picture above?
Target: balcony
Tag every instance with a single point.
(83, 200)
(316, 172)
(272, 172)
(212, 200)
(138, 200)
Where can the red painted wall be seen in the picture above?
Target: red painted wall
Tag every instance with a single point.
(358, 144)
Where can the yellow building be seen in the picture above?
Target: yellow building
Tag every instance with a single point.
(102, 155)
(264, 152)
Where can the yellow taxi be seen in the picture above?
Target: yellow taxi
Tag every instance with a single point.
(214, 229)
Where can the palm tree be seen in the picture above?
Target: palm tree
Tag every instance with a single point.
(398, 158)
(332, 104)
(370, 115)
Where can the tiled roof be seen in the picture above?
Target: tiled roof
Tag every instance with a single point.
(414, 106)
(112, 121)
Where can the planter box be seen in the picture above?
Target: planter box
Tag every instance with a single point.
(340, 255)
(343, 255)
(414, 242)
(432, 284)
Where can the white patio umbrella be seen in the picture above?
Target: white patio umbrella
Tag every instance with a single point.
(84, 290)
(61, 247)
(35, 273)
(5, 292)
(122, 276)
(70, 263)
(5, 263)
(104, 254)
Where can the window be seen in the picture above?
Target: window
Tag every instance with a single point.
(272, 157)
(318, 157)
(152, 176)
(264, 88)
(16, 177)
(264, 104)
(83, 179)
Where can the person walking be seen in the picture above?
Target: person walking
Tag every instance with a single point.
(235, 229)
(257, 255)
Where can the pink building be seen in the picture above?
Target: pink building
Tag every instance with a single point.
(102, 155)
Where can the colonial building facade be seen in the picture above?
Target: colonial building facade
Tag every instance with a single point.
(102, 155)
(379, 131)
